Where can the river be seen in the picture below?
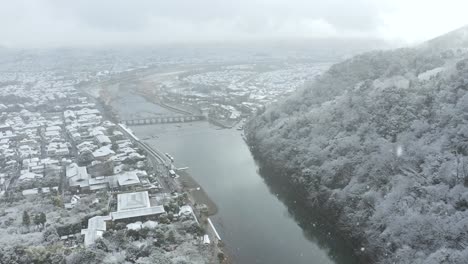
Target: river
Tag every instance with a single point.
(252, 219)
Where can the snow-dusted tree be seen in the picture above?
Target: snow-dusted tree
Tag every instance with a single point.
(26, 219)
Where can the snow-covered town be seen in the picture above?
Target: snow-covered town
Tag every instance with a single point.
(78, 185)
(71, 180)
(233, 132)
(226, 94)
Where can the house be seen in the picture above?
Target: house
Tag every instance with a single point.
(37, 168)
(206, 240)
(86, 146)
(74, 200)
(130, 207)
(87, 111)
(29, 176)
(103, 153)
(7, 134)
(98, 183)
(27, 163)
(127, 179)
(53, 128)
(128, 201)
(57, 149)
(78, 178)
(5, 127)
(185, 210)
(38, 190)
(69, 114)
(103, 140)
(26, 151)
(75, 136)
(134, 206)
(52, 134)
(117, 135)
(96, 227)
(28, 142)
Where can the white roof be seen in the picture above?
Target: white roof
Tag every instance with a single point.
(103, 139)
(51, 133)
(128, 201)
(206, 239)
(96, 227)
(77, 176)
(103, 152)
(29, 176)
(138, 212)
(128, 178)
(185, 210)
(134, 226)
(53, 128)
(74, 170)
(85, 144)
(36, 190)
(150, 224)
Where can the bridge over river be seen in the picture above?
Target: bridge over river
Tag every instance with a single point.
(163, 120)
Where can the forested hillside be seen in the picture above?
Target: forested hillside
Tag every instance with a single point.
(380, 144)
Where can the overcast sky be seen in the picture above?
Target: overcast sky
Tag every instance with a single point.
(49, 23)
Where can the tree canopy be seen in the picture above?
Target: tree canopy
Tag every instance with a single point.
(381, 142)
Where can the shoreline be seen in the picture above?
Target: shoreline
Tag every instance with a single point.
(196, 191)
(203, 207)
(325, 219)
(196, 195)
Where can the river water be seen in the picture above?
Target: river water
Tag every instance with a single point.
(252, 217)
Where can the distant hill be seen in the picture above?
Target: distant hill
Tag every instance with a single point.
(457, 39)
(380, 144)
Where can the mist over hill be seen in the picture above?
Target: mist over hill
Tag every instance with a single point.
(380, 144)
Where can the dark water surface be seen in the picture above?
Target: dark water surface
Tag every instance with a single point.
(254, 223)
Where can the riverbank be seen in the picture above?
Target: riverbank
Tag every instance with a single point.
(198, 199)
(326, 221)
(255, 221)
(204, 207)
(228, 124)
(197, 193)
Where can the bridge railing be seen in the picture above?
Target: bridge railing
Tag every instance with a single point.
(163, 120)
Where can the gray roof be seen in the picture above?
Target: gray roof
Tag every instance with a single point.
(96, 226)
(128, 178)
(138, 212)
(103, 139)
(135, 200)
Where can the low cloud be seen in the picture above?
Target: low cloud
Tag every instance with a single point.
(39, 23)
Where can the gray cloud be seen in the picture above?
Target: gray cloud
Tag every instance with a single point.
(106, 22)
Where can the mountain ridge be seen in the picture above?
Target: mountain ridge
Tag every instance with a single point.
(380, 143)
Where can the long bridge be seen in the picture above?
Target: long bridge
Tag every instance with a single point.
(163, 120)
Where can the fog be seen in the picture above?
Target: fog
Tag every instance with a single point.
(53, 23)
(234, 131)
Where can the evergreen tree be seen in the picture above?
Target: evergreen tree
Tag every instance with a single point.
(42, 218)
(171, 237)
(26, 218)
(36, 219)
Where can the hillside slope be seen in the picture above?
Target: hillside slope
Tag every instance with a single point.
(380, 144)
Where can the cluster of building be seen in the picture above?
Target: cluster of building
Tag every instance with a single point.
(55, 140)
(131, 207)
(225, 77)
(237, 91)
(33, 145)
